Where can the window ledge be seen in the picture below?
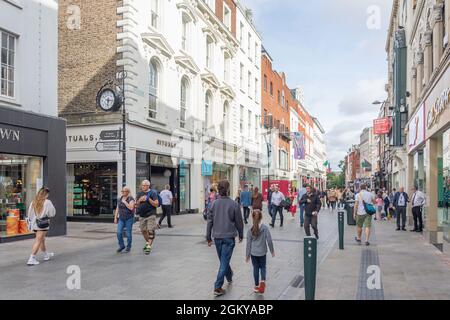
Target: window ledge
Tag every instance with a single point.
(9, 101)
(156, 120)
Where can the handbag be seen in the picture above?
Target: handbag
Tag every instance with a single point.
(368, 207)
(43, 223)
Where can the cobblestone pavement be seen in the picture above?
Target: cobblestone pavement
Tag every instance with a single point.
(182, 266)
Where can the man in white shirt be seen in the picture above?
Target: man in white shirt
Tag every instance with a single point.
(418, 201)
(277, 198)
(363, 219)
(167, 199)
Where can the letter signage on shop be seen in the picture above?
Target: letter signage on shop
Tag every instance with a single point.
(416, 128)
(439, 106)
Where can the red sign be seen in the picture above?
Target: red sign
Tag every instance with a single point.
(382, 126)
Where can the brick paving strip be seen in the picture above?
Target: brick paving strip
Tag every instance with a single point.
(369, 257)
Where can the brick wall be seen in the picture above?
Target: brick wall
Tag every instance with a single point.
(219, 12)
(87, 56)
(269, 102)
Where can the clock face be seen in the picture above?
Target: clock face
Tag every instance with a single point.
(107, 100)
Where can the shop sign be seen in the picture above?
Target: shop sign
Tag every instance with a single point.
(439, 106)
(19, 140)
(382, 126)
(9, 134)
(167, 144)
(416, 128)
(207, 168)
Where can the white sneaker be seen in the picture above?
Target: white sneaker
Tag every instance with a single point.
(48, 256)
(32, 262)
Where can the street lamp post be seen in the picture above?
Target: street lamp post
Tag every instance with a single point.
(123, 76)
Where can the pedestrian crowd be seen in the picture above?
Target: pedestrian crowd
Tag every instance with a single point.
(226, 218)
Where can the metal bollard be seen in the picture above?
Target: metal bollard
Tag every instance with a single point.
(341, 229)
(310, 265)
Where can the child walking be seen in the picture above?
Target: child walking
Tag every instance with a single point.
(258, 239)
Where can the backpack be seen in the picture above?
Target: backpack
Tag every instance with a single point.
(158, 196)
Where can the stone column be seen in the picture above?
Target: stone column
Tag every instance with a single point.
(413, 88)
(420, 67)
(447, 18)
(432, 190)
(428, 56)
(438, 34)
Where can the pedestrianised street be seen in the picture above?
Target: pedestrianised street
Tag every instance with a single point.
(182, 266)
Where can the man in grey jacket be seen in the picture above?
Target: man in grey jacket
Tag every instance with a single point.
(224, 224)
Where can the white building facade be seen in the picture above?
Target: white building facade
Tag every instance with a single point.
(183, 101)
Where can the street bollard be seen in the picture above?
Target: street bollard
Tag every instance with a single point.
(341, 229)
(310, 264)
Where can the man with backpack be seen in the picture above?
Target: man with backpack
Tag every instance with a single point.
(147, 202)
(312, 205)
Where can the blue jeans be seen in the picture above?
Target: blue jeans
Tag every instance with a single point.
(259, 265)
(128, 224)
(270, 209)
(224, 249)
(276, 209)
(302, 214)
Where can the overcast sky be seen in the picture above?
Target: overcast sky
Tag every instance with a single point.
(327, 48)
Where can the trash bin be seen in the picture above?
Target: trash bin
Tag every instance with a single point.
(349, 205)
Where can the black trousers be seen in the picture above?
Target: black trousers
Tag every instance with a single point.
(167, 212)
(246, 213)
(275, 210)
(311, 220)
(401, 214)
(417, 215)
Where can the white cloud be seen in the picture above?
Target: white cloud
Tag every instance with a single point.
(365, 93)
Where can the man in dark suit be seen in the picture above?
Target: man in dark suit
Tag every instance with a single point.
(400, 203)
(312, 204)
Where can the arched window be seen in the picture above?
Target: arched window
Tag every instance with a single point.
(154, 87)
(208, 107)
(224, 127)
(184, 101)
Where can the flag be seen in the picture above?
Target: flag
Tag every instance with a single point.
(326, 164)
(299, 145)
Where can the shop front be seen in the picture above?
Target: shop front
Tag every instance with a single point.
(94, 178)
(32, 155)
(429, 131)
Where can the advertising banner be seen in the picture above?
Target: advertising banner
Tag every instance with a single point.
(299, 145)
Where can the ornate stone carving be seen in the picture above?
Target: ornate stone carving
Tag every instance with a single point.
(438, 12)
(428, 37)
(419, 57)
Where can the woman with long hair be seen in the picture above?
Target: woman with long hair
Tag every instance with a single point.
(293, 196)
(257, 199)
(39, 214)
(258, 239)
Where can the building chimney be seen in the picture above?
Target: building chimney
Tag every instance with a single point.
(249, 14)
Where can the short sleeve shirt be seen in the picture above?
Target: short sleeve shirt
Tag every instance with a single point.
(153, 196)
(367, 197)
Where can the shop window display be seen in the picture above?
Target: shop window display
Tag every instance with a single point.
(92, 189)
(20, 178)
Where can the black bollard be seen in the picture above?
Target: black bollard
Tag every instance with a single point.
(310, 264)
(341, 229)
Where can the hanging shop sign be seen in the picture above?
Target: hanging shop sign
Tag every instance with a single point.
(207, 168)
(382, 126)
